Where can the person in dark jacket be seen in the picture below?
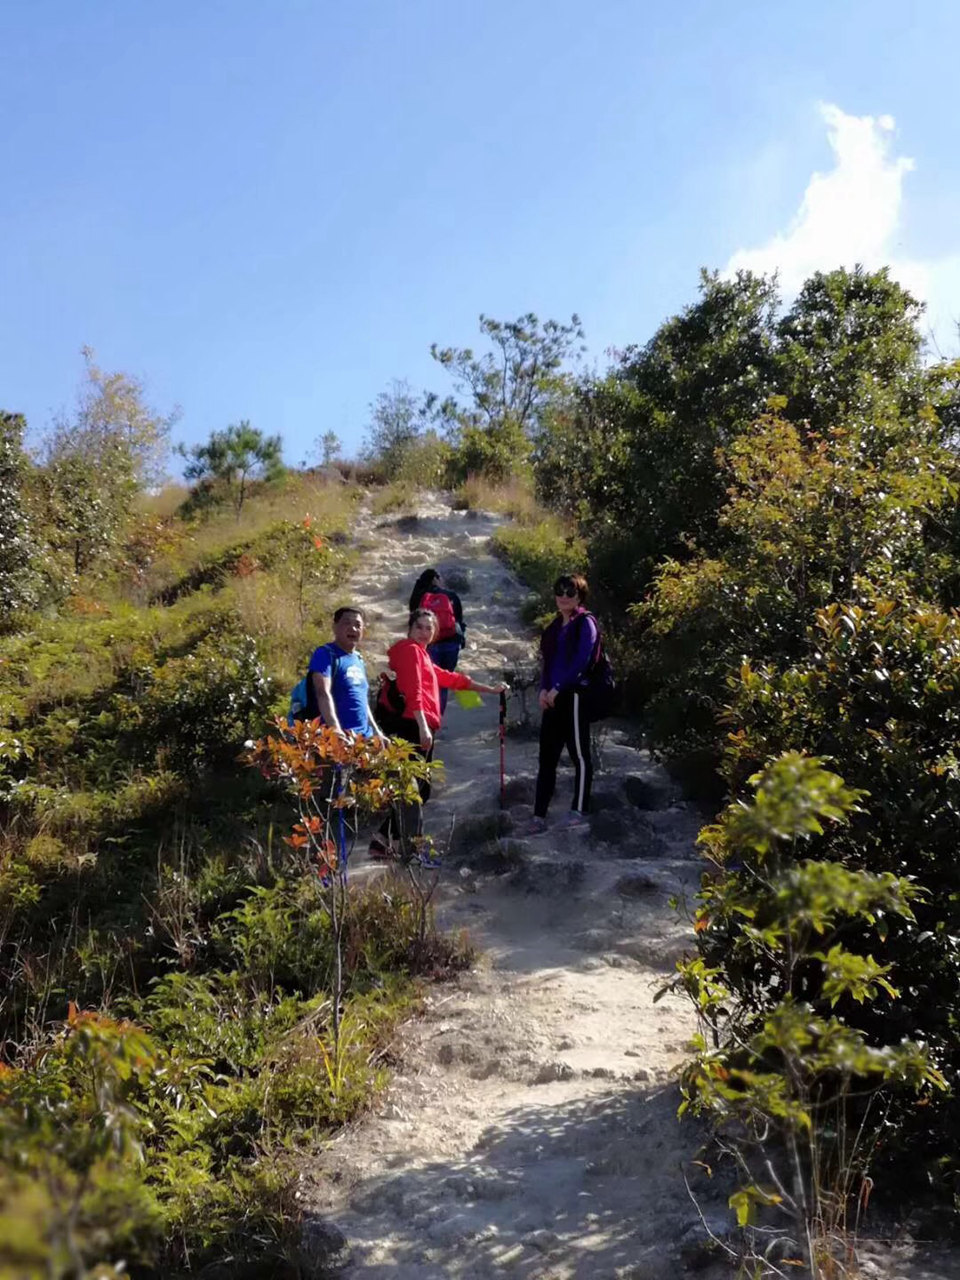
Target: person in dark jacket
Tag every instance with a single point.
(430, 593)
(567, 648)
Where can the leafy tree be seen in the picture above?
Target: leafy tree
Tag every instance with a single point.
(504, 393)
(16, 586)
(90, 480)
(397, 424)
(850, 344)
(329, 448)
(233, 457)
(632, 456)
(95, 461)
(113, 406)
(809, 520)
(787, 936)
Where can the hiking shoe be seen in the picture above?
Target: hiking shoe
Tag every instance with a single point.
(535, 827)
(573, 821)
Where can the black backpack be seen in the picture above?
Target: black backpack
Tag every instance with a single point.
(600, 693)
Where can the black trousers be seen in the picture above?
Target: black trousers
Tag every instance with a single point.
(565, 724)
(407, 820)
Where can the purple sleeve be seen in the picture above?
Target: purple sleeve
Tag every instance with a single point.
(569, 670)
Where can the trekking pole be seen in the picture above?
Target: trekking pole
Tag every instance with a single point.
(503, 747)
(342, 833)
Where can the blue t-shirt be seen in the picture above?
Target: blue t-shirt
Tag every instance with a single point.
(349, 687)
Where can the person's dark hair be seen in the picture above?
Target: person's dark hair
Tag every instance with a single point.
(576, 581)
(347, 608)
(417, 614)
(426, 580)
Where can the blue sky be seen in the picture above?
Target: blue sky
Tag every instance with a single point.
(269, 211)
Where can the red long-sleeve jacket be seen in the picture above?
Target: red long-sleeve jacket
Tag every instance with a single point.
(419, 680)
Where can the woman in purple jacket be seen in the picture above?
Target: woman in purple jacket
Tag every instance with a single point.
(567, 648)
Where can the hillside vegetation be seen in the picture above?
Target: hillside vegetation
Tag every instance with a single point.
(167, 956)
(765, 498)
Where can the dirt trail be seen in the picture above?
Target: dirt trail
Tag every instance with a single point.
(530, 1130)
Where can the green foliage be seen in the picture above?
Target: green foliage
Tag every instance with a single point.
(88, 702)
(504, 392)
(809, 520)
(783, 961)
(426, 463)
(89, 484)
(141, 878)
(496, 452)
(850, 345)
(398, 423)
(538, 554)
(232, 457)
(640, 458)
(877, 688)
(826, 975)
(196, 711)
(71, 1129)
(94, 463)
(17, 588)
(632, 456)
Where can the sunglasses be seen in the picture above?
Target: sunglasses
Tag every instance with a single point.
(567, 593)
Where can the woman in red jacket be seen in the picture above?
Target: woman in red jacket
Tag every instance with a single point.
(419, 681)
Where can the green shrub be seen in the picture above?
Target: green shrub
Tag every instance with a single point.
(809, 520)
(140, 876)
(425, 462)
(196, 711)
(399, 495)
(69, 1122)
(497, 451)
(878, 691)
(538, 554)
(18, 590)
(787, 943)
(513, 497)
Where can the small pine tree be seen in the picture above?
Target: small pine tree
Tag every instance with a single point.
(233, 457)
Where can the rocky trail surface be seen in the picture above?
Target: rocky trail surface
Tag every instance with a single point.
(530, 1129)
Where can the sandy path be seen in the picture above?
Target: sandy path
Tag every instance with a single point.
(531, 1129)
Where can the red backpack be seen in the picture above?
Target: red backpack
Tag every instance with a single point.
(439, 602)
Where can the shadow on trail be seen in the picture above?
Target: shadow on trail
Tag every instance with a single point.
(589, 1184)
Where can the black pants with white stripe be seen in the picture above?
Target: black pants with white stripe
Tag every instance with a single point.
(565, 724)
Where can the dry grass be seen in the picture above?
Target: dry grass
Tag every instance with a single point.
(263, 603)
(296, 496)
(399, 496)
(512, 498)
(164, 503)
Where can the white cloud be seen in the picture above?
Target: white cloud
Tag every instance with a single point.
(853, 213)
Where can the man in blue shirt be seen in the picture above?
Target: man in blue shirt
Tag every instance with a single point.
(337, 678)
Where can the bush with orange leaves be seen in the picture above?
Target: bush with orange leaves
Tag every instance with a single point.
(334, 781)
